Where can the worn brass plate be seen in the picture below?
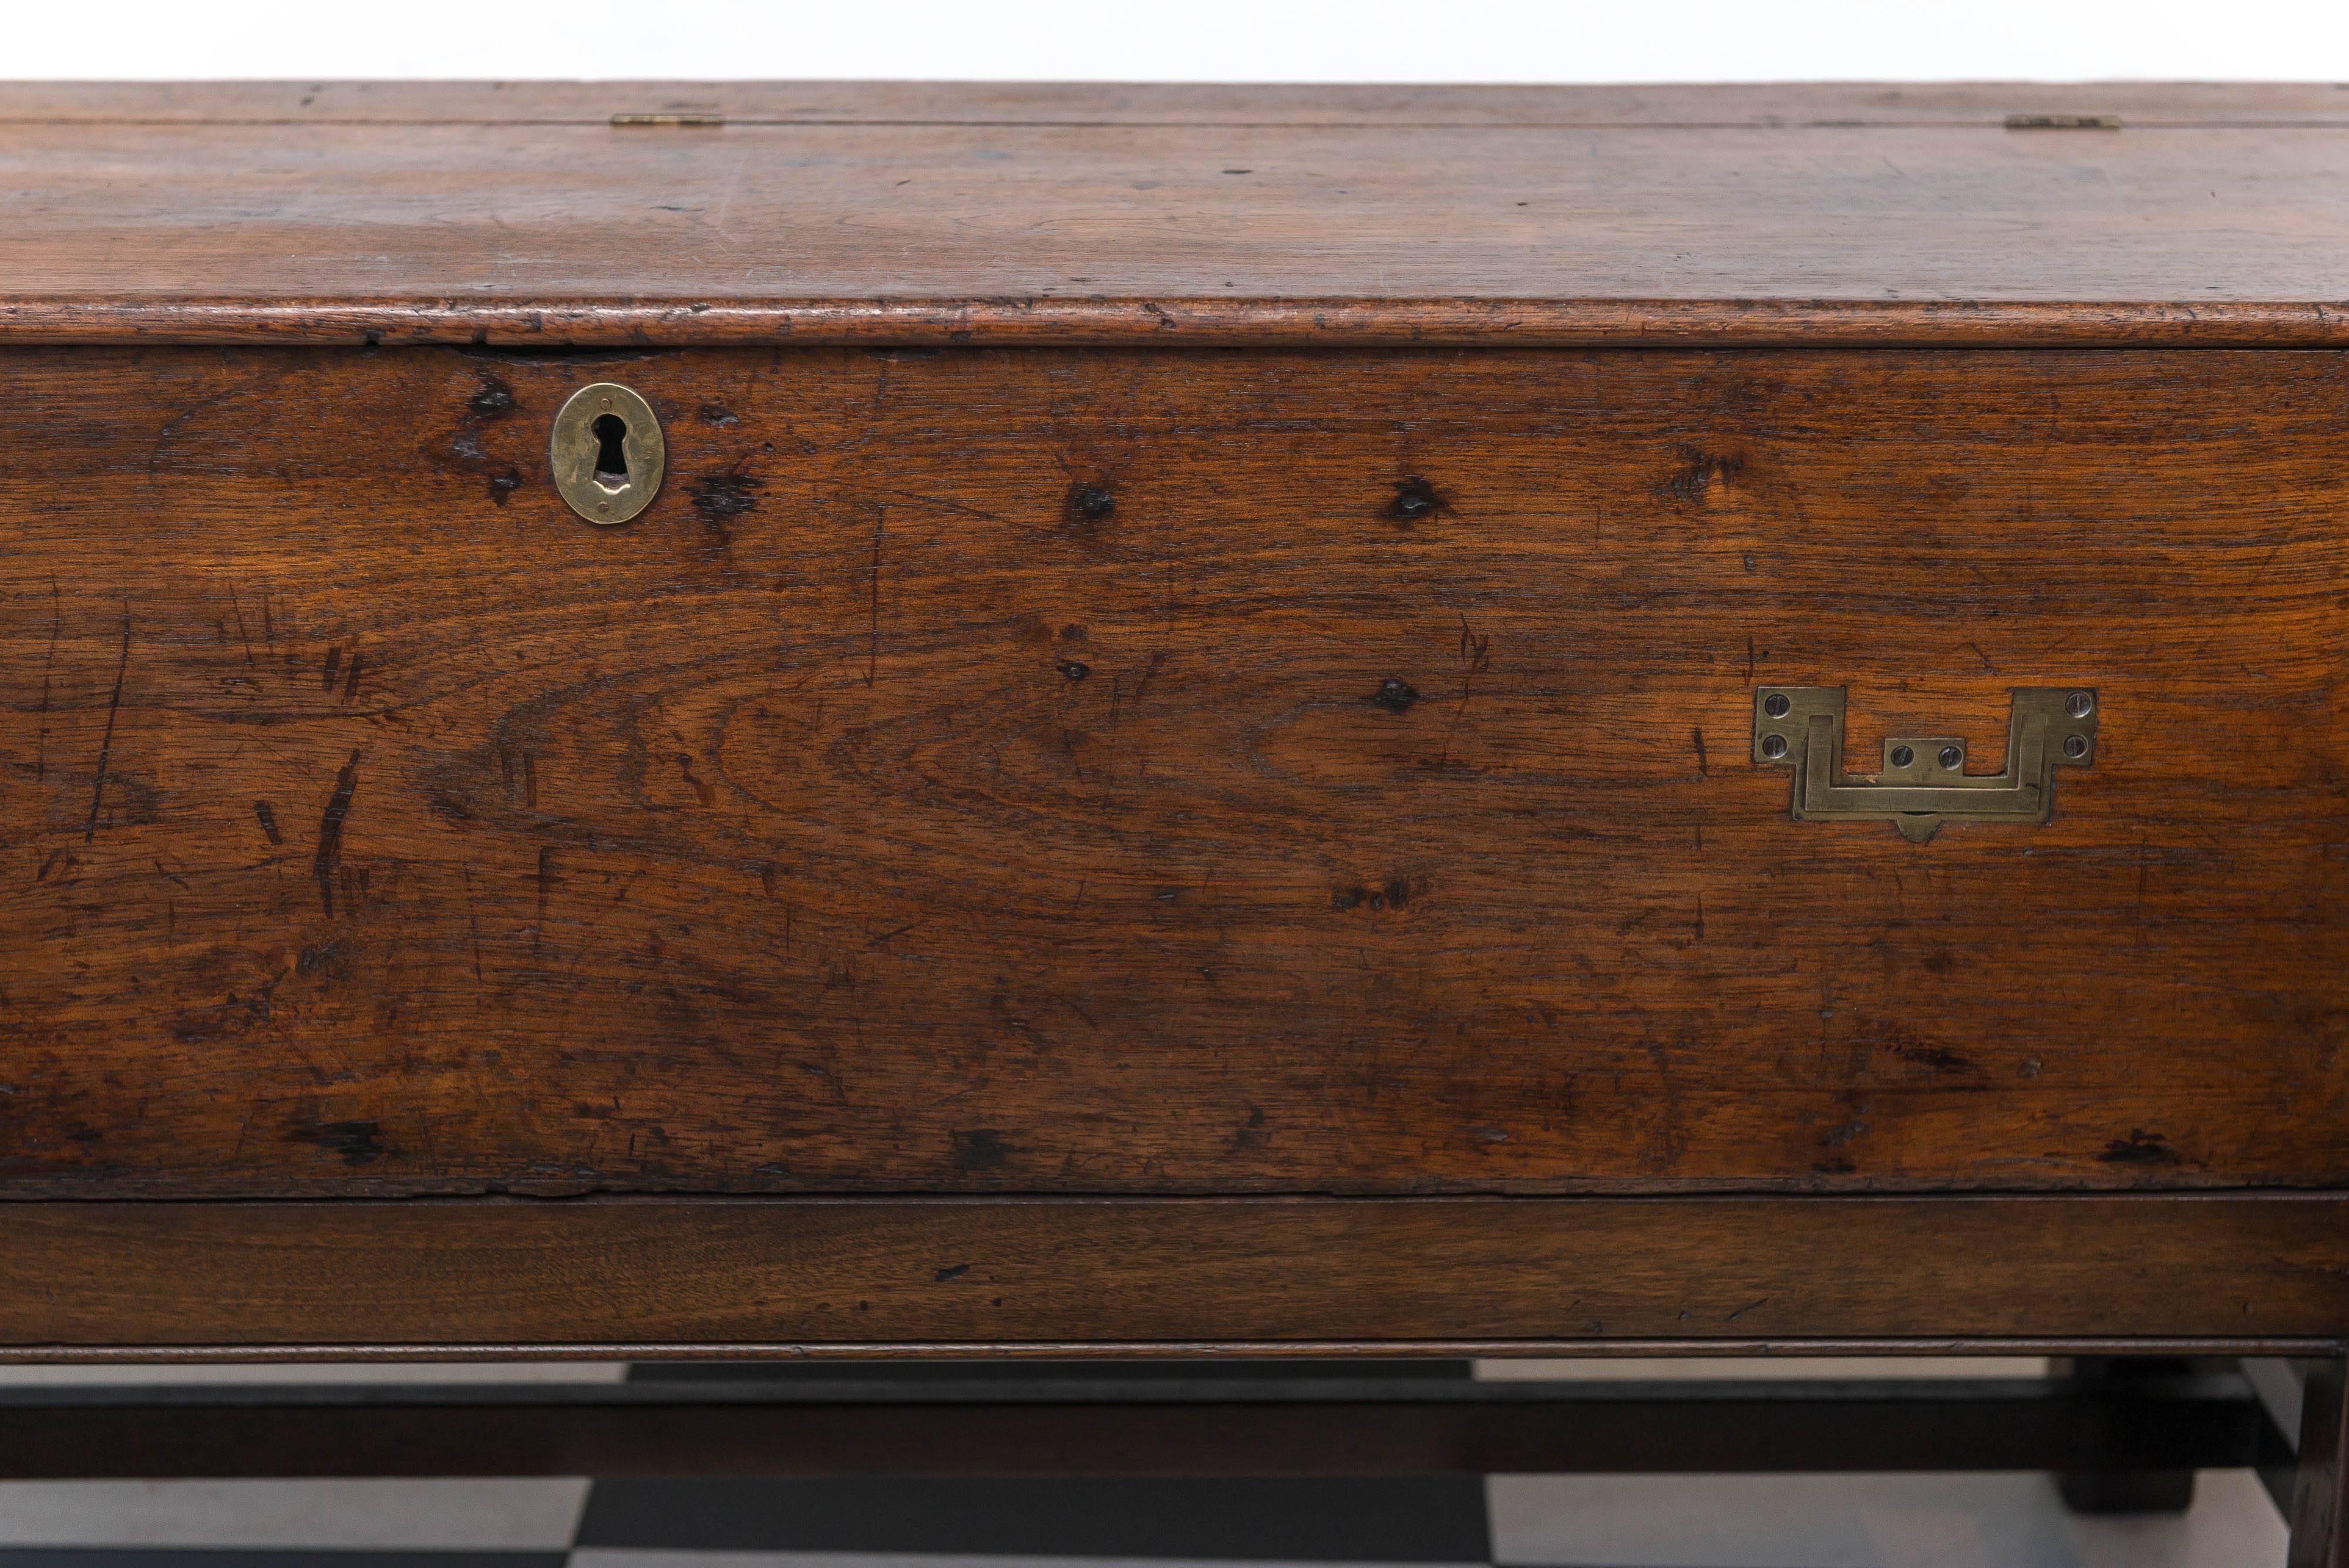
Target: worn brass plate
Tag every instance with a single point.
(607, 453)
(1923, 781)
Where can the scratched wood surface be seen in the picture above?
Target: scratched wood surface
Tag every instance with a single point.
(341, 212)
(1141, 773)
(1170, 1276)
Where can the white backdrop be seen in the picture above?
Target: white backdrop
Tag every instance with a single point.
(1198, 40)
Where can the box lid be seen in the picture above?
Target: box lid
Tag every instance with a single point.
(826, 213)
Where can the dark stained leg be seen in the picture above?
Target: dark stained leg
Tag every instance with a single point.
(2321, 1492)
(2125, 1490)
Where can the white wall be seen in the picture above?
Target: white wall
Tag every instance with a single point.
(1204, 40)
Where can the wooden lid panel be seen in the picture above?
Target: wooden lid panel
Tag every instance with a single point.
(571, 230)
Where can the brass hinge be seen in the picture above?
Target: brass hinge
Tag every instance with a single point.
(2063, 122)
(667, 119)
(1924, 779)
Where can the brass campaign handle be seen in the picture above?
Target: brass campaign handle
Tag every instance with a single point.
(1924, 783)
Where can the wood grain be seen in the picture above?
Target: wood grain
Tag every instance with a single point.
(1157, 772)
(811, 1276)
(1262, 216)
(1793, 105)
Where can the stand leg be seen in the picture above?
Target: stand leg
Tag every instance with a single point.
(2320, 1493)
(2126, 1492)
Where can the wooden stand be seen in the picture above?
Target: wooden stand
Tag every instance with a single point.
(2120, 1435)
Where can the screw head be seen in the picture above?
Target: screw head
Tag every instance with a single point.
(1951, 756)
(2076, 746)
(2079, 704)
(1773, 746)
(1902, 756)
(1776, 704)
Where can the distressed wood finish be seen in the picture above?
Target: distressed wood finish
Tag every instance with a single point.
(1401, 106)
(814, 1276)
(1297, 217)
(1168, 774)
(1161, 771)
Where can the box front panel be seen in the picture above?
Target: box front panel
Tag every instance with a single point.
(1121, 771)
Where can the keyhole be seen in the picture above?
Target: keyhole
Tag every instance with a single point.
(611, 451)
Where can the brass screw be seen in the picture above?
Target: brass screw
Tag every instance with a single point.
(1773, 746)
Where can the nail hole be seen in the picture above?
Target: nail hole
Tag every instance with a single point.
(611, 433)
(1087, 504)
(1902, 756)
(1415, 499)
(1773, 745)
(1776, 704)
(2079, 704)
(2076, 746)
(1951, 756)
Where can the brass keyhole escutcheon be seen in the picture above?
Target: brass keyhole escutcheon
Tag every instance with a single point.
(607, 453)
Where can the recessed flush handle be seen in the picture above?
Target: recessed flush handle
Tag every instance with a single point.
(607, 453)
(1923, 781)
